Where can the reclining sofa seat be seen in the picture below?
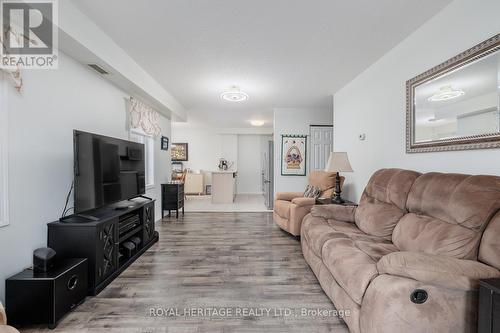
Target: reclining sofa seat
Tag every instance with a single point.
(436, 232)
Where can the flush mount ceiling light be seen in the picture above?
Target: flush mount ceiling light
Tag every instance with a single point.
(446, 93)
(257, 122)
(234, 94)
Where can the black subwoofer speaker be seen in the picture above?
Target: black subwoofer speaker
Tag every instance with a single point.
(45, 297)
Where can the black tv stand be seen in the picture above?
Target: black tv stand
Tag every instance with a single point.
(141, 196)
(99, 240)
(122, 207)
(83, 216)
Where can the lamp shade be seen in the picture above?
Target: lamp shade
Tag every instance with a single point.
(338, 162)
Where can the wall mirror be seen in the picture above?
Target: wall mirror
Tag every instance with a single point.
(456, 105)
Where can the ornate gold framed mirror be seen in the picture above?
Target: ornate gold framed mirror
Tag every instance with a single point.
(456, 105)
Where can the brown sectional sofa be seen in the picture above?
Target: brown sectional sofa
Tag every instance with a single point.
(427, 236)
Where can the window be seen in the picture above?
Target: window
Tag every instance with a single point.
(4, 204)
(137, 135)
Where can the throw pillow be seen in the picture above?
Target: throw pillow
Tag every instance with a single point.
(312, 192)
(307, 191)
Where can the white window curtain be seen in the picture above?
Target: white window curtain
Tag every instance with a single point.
(13, 74)
(144, 117)
(138, 135)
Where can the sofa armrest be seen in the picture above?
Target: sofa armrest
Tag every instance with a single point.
(337, 212)
(3, 316)
(304, 201)
(288, 196)
(437, 270)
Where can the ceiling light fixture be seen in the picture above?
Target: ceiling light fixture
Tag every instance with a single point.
(234, 94)
(446, 93)
(257, 122)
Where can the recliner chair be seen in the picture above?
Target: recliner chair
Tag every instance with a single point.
(291, 207)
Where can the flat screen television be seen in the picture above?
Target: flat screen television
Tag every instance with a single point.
(106, 170)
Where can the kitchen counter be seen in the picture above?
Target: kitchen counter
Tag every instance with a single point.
(223, 186)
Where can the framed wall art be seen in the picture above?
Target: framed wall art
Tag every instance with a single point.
(164, 143)
(293, 155)
(179, 152)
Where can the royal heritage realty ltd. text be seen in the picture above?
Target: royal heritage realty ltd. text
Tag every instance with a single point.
(242, 312)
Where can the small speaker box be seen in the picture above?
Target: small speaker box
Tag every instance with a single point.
(43, 259)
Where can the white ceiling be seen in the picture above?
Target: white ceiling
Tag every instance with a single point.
(283, 53)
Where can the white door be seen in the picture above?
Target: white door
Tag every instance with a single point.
(321, 146)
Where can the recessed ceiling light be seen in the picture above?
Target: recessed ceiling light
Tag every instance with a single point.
(446, 93)
(257, 122)
(234, 94)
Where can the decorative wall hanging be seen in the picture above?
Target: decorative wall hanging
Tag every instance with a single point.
(14, 75)
(293, 155)
(164, 143)
(143, 116)
(177, 167)
(179, 152)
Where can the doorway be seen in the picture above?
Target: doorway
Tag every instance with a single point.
(321, 146)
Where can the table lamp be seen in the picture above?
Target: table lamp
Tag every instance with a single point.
(338, 162)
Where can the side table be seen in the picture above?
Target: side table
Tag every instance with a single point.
(328, 201)
(488, 318)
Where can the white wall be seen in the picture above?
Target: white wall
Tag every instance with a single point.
(229, 149)
(374, 103)
(83, 40)
(295, 121)
(207, 145)
(41, 123)
(251, 149)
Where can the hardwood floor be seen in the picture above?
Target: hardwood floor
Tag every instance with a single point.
(211, 260)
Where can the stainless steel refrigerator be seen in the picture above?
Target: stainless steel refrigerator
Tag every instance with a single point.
(267, 176)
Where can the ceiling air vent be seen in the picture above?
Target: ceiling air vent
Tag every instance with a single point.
(98, 69)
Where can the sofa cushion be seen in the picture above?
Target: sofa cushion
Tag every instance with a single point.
(318, 230)
(375, 250)
(339, 297)
(353, 264)
(282, 208)
(383, 201)
(353, 232)
(337, 212)
(420, 233)
(448, 213)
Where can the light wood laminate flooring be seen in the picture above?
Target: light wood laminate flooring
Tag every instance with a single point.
(211, 261)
